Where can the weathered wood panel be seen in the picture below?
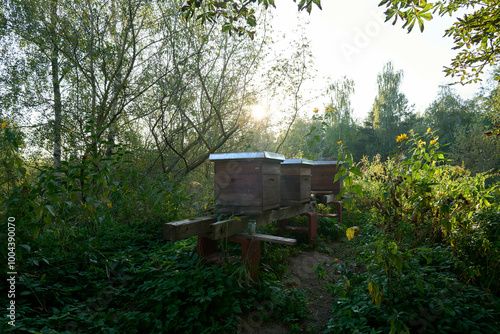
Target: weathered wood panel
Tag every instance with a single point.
(269, 238)
(229, 227)
(295, 189)
(248, 186)
(186, 228)
(323, 176)
(182, 229)
(284, 213)
(295, 181)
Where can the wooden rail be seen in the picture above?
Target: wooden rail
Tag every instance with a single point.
(209, 225)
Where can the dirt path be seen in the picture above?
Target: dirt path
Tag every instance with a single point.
(303, 275)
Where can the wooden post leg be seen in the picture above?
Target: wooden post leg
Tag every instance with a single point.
(312, 230)
(282, 226)
(207, 248)
(250, 250)
(338, 204)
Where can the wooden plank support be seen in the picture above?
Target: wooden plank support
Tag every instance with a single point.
(186, 228)
(250, 253)
(269, 238)
(283, 213)
(311, 229)
(229, 227)
(328, 215)
(303, 229)
(183, 229)
(329, 198)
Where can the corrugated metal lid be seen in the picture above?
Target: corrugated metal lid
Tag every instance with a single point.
(246, 155)
(297, 162)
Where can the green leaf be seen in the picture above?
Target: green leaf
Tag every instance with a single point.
(27, 247)
(420, 286)
(337, 176)
(427, 16)
(348, 181)
(358, 190)
(355, 171)
(51, 210)
(393, 247)
(416, 167)
(420, 23)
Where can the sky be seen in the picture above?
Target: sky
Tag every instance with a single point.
(350, 38)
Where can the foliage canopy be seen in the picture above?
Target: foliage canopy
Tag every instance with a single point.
(475, 34)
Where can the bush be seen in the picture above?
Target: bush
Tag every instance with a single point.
(430, 248)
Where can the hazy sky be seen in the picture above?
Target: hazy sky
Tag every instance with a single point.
(350, 37)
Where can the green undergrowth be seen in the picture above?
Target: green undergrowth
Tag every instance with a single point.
(129, 280)
(426, 254)
(428, 295)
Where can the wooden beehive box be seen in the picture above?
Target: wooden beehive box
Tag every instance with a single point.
(323, 174)
(247, 182)
(295, 181)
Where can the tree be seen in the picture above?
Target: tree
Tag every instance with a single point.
(37, 23)
(476, 34)
(491, 106)
(287, 80)
(120, 68)
(448, 113)
(477, 152)
(338, 116)
(238, 15)
(390, 109)
(203, 102)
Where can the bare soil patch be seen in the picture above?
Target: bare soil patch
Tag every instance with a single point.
(303, 274)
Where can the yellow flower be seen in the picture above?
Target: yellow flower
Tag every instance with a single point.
(4, 124)
(339, 142)
(401, 137)
(316, 110)
(433, 141)
(70, 132)
(421, 143)
(428, 130)
(336, 260)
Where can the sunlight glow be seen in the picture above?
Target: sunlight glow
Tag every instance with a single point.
(258, 112)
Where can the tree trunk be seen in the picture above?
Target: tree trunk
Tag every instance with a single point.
(56, 86)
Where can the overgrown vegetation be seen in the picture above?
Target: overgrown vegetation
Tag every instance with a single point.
(109, 113)
(429, 248)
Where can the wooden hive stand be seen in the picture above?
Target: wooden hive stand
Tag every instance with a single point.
(236, 229)
(323, 186)
(327, 197)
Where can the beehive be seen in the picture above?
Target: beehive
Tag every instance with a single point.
(323, 175)
(247, 182)
(295, 181)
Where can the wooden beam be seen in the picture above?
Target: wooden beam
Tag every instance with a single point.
(186, 228)
(270, 238)
(226, 228)
(183, 229)
(284, 213)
